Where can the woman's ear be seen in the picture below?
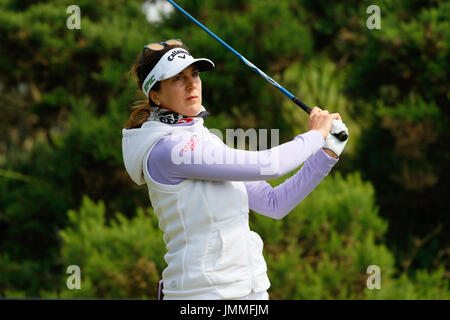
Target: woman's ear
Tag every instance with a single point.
(154, 97)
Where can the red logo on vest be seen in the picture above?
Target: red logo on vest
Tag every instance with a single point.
(191, 144)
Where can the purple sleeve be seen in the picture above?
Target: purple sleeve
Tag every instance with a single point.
(279, 201)
(174, 159)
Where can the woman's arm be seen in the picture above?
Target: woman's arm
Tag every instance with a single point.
(279, 201)
(173, 160)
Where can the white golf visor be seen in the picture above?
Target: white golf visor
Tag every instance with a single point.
(172, 63)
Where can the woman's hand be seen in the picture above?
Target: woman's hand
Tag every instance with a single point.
(321, 120)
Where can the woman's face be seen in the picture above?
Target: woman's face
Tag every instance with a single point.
(181, 93)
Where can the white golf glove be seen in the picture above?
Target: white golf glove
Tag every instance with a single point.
(333, 143)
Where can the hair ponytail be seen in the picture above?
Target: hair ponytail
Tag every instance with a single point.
(138, 116)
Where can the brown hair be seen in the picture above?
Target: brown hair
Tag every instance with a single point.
(141, 108)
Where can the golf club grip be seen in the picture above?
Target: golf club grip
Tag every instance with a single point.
(302, 105)
(342, 136)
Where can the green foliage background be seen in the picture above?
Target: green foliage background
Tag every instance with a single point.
(66, 199)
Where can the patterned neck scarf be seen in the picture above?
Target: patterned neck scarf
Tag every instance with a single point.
(170, 117)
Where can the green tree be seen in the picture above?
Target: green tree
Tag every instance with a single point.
(122, 259)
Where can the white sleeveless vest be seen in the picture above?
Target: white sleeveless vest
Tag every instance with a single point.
(211, 251)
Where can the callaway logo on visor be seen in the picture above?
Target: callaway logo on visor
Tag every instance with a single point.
(177, 52)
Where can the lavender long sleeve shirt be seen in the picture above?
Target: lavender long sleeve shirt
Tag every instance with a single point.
(240, 165)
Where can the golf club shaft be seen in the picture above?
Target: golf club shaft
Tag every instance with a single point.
(296, 100)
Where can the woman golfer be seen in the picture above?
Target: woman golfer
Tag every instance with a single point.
(202, 190)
